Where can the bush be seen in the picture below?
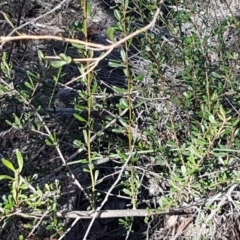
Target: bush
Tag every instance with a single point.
(119, 118)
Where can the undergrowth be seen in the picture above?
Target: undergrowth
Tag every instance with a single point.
(165, 142)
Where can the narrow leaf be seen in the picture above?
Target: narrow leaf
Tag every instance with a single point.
(123, 55)
(79, 118)
(117, 14)
(5, 177)
(28, 85)
(8, 164)
(96, 175)
(20, 160)
(85, 136)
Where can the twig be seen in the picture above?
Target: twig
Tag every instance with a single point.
(97, 212)
(63, 160)
(36, 226)
(69, 229)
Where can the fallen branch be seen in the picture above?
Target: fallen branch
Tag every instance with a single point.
(106, 213)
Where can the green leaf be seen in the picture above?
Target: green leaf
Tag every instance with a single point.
(216, 75)
(117, 14)
(5, 177)
(115, 64)
(79, 118)
(194, 151)
(78, 46)
(212, 118)
(139, 77)
(31, 74)
(80, 108)
(126, 5)
(77, 144)
(24, 186)
(8, 164)
(4, 57)
(85, 136)
(48, 142)
(28, 85)
(21, 237)
(66, 58)
(55, 220)
(126, 191)
(15, 194)
(96, 175)
(119, 90)
(183, 169)
(88, 8)
(201, 142)
(123, 104)
(47, 187)
(115, 130)
(83, 161)
(85, 170)
(58, 63)
(219, 154)
(20, 160)
(125, 72)
(94, 88)
(140, 103)
(110, 32)
(28, 226)
(234, 124)
(223, 113)
(227, 150)
(122, 155)
(16, 119)
(3, 89)
(123, 55)
(53, 138)
(91, 167)
(49, 227)
(40, 55)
